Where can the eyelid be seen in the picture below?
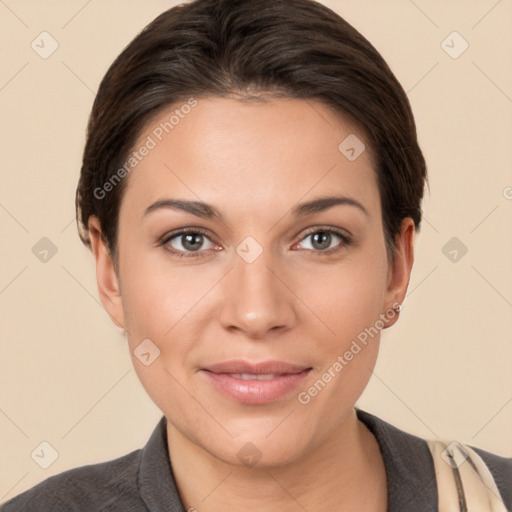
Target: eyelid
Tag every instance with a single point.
(183, 231)
(315, 229)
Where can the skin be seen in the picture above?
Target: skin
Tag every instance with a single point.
(254, 162)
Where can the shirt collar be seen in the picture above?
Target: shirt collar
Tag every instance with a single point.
(156, 479)
(409, 467)
(410, 473)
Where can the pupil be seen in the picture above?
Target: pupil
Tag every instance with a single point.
(322, 240)
(193, 241)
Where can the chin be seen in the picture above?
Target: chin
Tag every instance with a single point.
(260, 450)
(256, 455)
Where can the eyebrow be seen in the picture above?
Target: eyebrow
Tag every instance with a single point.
(207, 211)
(323, 203)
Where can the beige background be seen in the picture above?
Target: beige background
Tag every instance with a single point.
(444, 369)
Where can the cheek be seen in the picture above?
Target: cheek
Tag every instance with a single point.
(347, 357)
(165, 305)
(157, 305)
(156, 295)
(347, 296)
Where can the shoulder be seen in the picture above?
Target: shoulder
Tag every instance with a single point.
(410, 473)
(410, 466)
(107, 486)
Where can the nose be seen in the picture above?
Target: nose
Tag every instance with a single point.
(256, 298)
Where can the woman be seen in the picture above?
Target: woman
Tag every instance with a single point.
(250, 190)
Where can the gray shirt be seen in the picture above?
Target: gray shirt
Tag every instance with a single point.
(143, 481)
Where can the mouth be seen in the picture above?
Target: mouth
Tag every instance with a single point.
(255, 383)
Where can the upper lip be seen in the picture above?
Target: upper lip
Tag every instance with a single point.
(256, 368)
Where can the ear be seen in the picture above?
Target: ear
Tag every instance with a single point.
(106, 276)
(400, 268)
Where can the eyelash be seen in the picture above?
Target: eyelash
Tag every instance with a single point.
(346, 241)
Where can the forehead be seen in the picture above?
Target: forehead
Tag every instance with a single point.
(252, 154)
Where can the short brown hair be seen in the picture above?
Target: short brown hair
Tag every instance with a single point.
(291, 48)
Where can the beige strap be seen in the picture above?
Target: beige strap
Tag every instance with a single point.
(464, 482)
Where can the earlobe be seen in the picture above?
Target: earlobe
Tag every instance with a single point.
(106, 276)
(400, 268)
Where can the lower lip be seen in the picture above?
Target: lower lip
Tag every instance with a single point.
(255, 392)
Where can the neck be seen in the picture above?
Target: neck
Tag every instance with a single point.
(345, 473)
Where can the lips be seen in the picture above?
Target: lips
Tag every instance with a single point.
(261, 368)
(255, 383)
(252, 376)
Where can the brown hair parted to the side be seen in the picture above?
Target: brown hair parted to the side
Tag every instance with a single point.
(289, 48)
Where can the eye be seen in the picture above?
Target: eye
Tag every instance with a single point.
(187, 242)
(325, 240)
(193, 242)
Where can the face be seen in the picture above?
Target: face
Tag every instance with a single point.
(262, 293)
